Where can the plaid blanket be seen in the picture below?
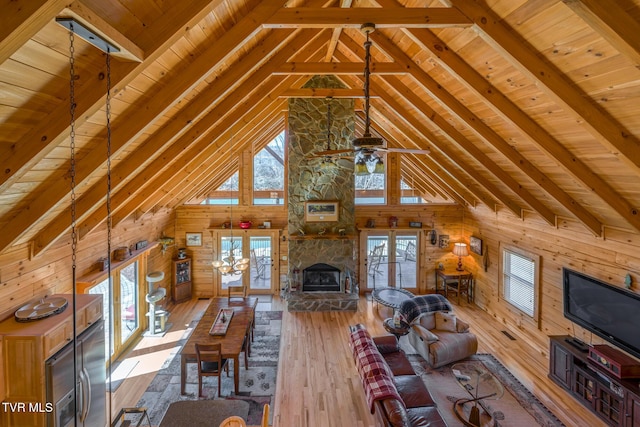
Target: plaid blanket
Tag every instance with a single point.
(412, 308)
(375, 373)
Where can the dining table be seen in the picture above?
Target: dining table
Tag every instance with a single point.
(232, 340)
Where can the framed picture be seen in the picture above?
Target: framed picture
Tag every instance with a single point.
(475, 245)
(193, 239)
(443, 242)
(320, 211)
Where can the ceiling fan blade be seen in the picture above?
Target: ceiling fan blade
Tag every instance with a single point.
(330, 153)
(406, 150)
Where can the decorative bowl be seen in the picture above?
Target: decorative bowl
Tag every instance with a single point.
(245, 224)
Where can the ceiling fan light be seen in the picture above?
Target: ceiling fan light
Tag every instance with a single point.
(379, 167)
(217, 263)
(360, 168)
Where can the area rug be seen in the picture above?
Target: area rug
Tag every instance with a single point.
(202, 413)
(257, 383)
(517, 407)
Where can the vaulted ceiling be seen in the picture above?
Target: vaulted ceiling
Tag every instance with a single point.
(530, 106)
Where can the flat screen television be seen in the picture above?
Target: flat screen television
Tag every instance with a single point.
(608, 311)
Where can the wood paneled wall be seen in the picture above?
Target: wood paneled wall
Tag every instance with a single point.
(24, 278)
(610, 259)
(447, 219)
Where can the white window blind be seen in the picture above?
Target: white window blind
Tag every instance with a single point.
(519, 281)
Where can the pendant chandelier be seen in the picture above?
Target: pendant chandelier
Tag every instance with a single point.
(231, 265)
(367, 161)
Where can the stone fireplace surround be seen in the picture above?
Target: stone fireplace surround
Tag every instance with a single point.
(317, 243)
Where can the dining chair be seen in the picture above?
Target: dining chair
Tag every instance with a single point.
(233, 421)
(210, 364)
(265, 416)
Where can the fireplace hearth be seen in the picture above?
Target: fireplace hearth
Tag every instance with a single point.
(321, 278)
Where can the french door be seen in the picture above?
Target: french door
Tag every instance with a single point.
(261, 247)
(389, 258)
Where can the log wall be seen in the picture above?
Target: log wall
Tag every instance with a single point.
(24, 278)
(447, 219)
(570, 245)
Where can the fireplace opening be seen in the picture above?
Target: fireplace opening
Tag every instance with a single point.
(321, 278)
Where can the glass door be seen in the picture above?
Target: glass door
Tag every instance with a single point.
(120, 306)
(261, 255)
(230, 246)
(261, 247)
(390, 258)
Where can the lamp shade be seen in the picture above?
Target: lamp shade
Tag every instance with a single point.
(379, 168)
(460, 249)
(361, 168)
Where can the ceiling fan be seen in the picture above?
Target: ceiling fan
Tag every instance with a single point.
(365, 146)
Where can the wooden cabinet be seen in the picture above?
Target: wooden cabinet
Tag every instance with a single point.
(614, 400)
(25, 349)
(181, 280)
(632, 409)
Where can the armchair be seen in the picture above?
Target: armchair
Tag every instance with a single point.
(436, 333)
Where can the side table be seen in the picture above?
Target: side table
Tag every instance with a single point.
(390, 327)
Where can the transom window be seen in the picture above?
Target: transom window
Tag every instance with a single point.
(520, 281)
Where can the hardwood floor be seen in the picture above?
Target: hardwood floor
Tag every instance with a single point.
(317, 381)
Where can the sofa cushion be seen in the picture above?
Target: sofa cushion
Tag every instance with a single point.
(386, 343)
(395, 412)
(398, 363)
(413, 391)
(424, 334)
(426, 416)
(445, 321)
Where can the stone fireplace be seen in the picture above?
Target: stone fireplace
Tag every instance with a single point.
(321, 277)
(330, 243)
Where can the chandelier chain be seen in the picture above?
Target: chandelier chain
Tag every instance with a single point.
(72, 145)
(367, 73)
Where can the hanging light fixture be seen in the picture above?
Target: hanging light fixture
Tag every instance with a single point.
(231, 265)
(327, 161)
(379, 166)
(367, 140)
(361, 168)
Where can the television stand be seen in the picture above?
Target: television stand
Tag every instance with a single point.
(579, 344)
(615, 401)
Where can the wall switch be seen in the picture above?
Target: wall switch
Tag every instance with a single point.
(284, 257)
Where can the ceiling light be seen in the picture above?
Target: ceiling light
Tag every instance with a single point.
(379, 167)
(361, 168)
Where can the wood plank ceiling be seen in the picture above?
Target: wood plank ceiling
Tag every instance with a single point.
(526, 105)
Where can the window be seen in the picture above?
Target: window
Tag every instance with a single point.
(520, 281)
(370, 189)
(225, 194)
(409, 195)
(268, 173)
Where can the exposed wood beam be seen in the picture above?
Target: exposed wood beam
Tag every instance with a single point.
(22, 19)
(453, 135)
(439, 168)
(538, 135)
(323, 93)
(261, 129)
(612, 134)
(335, 17)
(489, 135)
(338, 68)
(80, 11)
(130, 126)
(613, 23)
(335, 35)
(54, 128)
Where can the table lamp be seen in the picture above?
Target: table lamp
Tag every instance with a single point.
(460, 250)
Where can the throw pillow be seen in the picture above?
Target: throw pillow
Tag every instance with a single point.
(445, 321)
